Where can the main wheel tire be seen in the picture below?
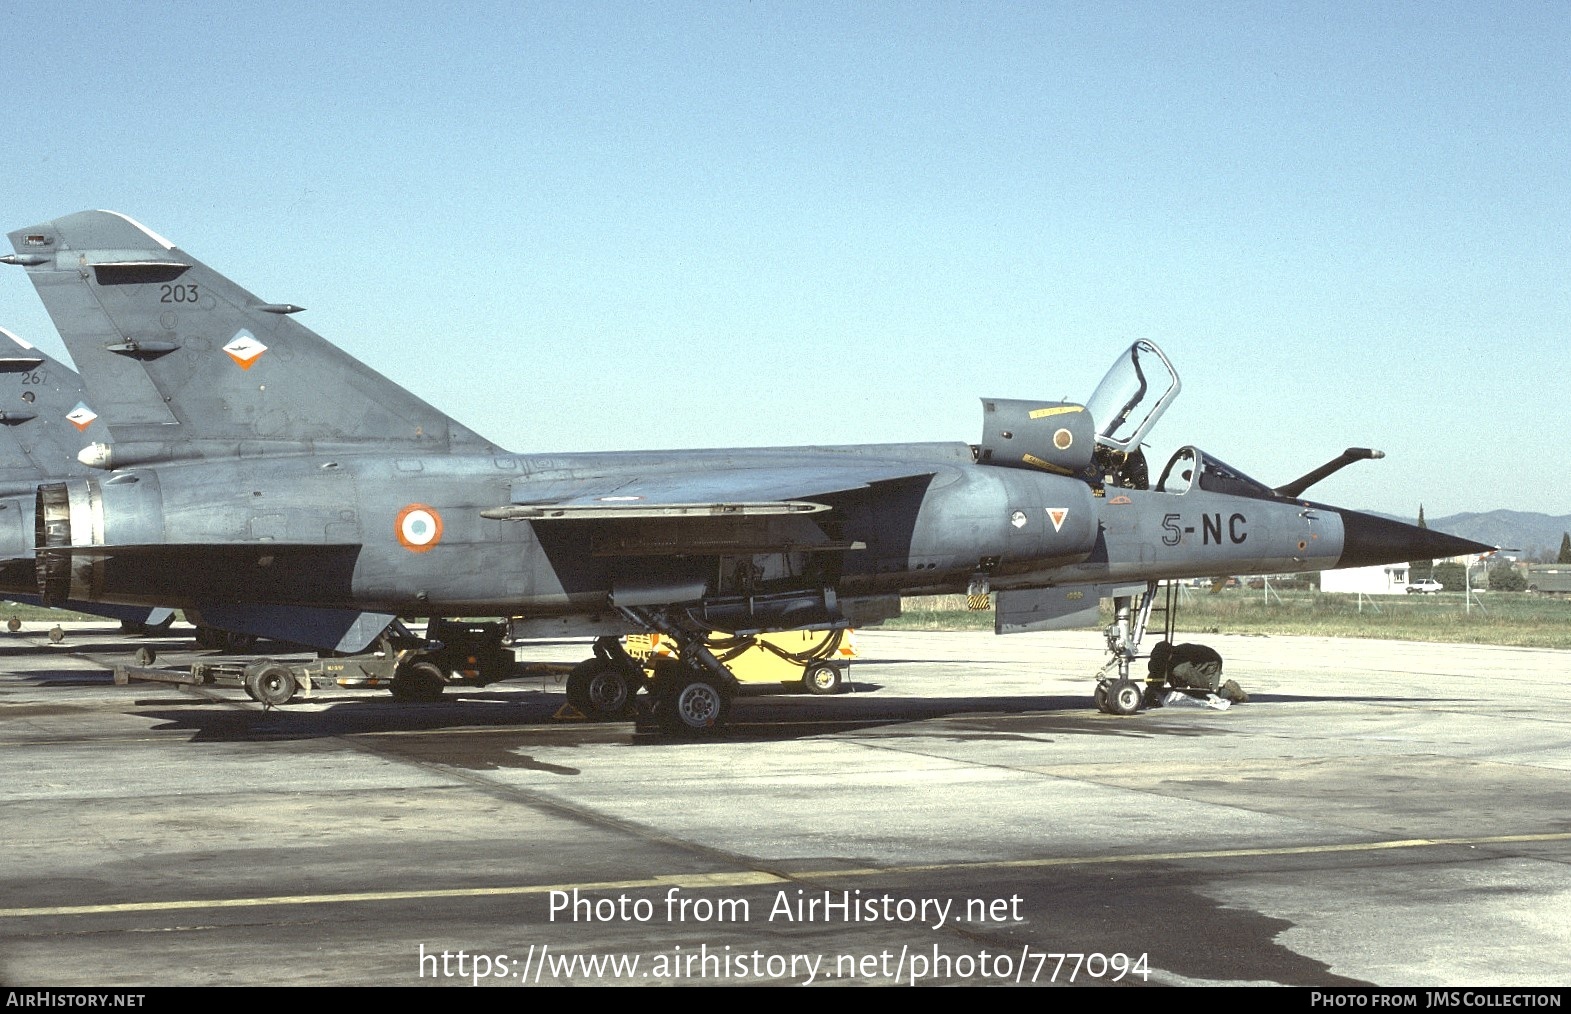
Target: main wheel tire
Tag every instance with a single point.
(1100, 696)
(418, 681)
(822, 678)
(1124, 697)
(693, 706)
(600, 690)
(272, 683)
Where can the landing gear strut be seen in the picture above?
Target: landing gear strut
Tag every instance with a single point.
(1120, 693)
(1116, 692)
(691, 693)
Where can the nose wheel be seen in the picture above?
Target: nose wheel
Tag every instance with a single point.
(1119, 697)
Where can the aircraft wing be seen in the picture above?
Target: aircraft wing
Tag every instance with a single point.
(698, 492)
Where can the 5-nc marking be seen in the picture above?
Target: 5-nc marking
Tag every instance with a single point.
(1210, 529)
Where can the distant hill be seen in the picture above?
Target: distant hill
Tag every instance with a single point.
(1526, 531)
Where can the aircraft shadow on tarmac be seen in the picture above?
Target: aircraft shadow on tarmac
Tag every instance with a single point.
(754, 719)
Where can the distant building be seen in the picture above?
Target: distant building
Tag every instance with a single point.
(1388, 579)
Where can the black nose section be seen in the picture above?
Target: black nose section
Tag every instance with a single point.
(1368, 540)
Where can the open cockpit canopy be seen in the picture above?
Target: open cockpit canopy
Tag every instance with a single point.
(1133, 396)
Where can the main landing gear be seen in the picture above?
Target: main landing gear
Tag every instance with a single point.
(688, 695)
(602, 687)
(683, 697)
(688, 701)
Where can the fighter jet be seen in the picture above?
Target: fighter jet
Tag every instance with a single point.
(265, 481)
(43, 423)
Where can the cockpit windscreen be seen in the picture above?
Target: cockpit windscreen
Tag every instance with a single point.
(1214, 476)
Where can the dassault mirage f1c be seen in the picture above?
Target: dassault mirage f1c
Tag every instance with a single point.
(268, 483)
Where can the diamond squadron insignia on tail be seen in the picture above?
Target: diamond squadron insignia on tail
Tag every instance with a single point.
(81, 417)
(244, 349)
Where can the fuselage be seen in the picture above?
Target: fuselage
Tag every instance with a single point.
(404, 534)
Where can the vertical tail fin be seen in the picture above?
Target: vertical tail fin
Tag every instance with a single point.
(180, 362)
(44, 418)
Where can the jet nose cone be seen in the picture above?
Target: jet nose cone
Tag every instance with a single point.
(1368, 540)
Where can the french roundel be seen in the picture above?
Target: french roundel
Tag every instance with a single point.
(418, 527)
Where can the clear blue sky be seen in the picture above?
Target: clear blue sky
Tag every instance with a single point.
(584, 226)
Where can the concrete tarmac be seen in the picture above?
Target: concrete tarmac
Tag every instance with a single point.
(1385, 813)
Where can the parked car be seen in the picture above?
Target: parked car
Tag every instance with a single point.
(1423, 586)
